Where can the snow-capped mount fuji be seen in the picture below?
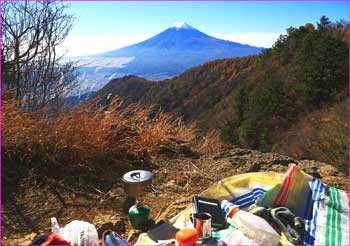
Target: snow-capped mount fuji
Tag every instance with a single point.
(179, 25)
(164, 55)
(183, 39)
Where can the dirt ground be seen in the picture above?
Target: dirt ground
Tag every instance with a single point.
(28, 214)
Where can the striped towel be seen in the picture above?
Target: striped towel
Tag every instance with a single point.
(249, 198)
(325, 210)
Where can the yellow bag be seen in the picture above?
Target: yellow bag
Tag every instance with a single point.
(243, 189)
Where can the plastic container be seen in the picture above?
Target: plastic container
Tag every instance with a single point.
(77, 232)
(254, 227)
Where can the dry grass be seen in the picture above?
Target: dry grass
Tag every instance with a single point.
(88, 135)
(211, 143)
(19, 134)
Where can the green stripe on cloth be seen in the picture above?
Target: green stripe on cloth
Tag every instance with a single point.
(334, 216)
(333, 224)
(329, 216)
(339, 212)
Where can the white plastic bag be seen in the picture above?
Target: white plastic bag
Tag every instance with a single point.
(255, 228)
(77, 232)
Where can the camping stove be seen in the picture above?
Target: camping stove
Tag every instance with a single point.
(137, 184)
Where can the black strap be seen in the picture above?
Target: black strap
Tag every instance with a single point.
(285, 220)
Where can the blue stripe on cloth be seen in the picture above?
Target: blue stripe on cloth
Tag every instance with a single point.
(318, 202)
(315, 192)
(255, 190)
(248, 198)
(316, 189)
(247, 202)
(245, 205)
(308, 212)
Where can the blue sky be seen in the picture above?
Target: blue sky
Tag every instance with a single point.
(101, 26)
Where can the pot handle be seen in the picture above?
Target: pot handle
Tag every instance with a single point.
(136, 176)
(152, 189)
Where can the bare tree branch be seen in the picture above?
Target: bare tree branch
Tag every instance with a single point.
(32, 30)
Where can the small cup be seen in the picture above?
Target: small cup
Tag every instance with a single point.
(202, 224)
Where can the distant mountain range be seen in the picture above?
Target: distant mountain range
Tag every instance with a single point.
(163, 56)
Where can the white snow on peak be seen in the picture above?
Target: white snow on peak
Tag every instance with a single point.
(179, 25)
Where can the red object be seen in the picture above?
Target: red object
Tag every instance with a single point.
(232, 212)
(144, 202)
(187, 236)
(198, 227)
(55, 239)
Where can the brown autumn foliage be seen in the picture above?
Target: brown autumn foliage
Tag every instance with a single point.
(189, 94)
(322, 136)
(88, 137)
(91, 136)
(211, 143)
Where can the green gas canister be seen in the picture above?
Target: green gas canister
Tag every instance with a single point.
(139, 216)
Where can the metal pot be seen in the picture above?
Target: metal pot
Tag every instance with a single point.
(137, 183)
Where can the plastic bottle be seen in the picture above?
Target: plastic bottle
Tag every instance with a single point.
(254, 227)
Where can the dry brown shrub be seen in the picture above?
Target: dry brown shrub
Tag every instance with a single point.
(88, 135)
(19, 132)
(211, 143)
